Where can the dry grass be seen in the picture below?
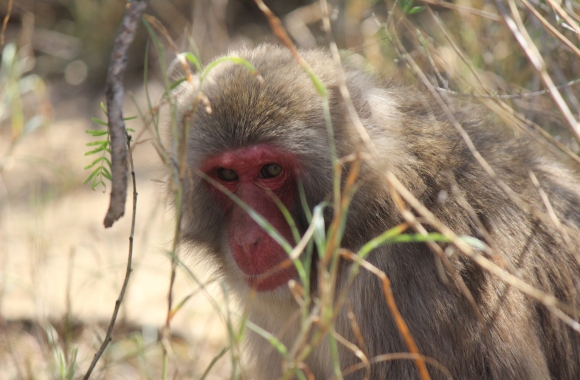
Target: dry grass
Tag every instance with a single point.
(60, 271)
(58, 262)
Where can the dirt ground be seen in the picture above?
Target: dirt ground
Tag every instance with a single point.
(57, 260)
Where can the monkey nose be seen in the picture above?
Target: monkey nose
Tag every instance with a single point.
(251, 246)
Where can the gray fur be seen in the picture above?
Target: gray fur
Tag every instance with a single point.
(417, 143)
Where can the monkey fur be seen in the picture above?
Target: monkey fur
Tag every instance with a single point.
(515, 336)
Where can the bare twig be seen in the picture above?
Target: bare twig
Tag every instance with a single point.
(550, 210)
(570, 10)
(352, 114)
(5, 23)
(163, 31)
(551, 28)
(356, 351)
(400, 356)
(571, 22)
(114, 94)
(521, 35)
(68, 313)
(280, 32)
(496, 98)
(166, 332)
(546, 299)
(410, 218)
(390, 299)
(296, 24)
(509, 96)
(128, 271)
(357, 333)
(511, 194)
(463, 8)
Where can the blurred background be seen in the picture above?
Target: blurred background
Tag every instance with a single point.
(61, 271)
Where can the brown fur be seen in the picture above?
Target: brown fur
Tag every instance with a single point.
(520, 338)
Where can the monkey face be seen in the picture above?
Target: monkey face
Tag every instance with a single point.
(260, 176)
(258, 141)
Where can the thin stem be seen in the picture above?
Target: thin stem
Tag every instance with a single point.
(128, 270)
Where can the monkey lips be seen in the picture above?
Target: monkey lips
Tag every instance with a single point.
(257, 175)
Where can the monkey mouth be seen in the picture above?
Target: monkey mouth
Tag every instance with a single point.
(270, 279)
(265, 265)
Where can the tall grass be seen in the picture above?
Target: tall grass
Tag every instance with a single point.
(514, 57)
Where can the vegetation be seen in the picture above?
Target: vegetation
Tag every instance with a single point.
(460, 49)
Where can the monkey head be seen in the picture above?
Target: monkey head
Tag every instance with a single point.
(261, 141)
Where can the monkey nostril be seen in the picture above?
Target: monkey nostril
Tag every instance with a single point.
(249, 247)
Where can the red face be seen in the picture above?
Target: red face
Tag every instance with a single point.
(249, 173)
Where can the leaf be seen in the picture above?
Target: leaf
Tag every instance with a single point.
(96, 183)
(94, 173)
(235, 60)
(100, 142)
(100, 148)
(419, 238)
(384, 238)
(474, 242)
(99, 121)
(274, 342)
(96, 132)
(106, 173)
(213, 361)
(320, 87)
(193, 60)
(94, 162)
(406, 5)
(101, 171)
(414, 10)
(176, 83)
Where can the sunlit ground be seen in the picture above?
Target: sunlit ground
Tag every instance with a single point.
(57, 260)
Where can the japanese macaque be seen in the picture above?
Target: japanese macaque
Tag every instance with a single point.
(267, 143)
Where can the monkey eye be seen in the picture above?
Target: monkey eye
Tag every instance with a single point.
(227, 175)
(270, 170)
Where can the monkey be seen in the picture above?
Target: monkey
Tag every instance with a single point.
(267, 143)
